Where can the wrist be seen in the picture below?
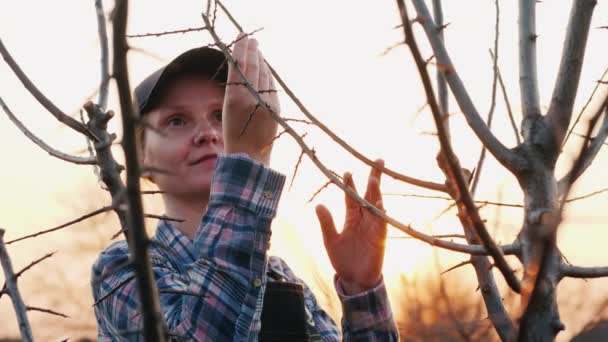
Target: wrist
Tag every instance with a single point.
(353, 288)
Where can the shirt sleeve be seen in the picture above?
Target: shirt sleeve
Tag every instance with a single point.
(367, 316)
(216, 297)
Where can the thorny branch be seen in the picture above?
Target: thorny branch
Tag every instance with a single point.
(44, 101)
(53, 152)
(477, 250)
(153, 323)
(104, 86)
(505, 156)
(453, 168)
(332, 135)
(568, 75)
(13, 291)
(67, 224)
(159, 34)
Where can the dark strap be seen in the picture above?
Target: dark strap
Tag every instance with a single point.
(283, 314)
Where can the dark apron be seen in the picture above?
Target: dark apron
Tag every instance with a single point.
(284, 317)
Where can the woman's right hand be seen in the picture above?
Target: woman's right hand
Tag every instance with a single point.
(248, 126)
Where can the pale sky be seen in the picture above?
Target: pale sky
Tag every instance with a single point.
(331, 53)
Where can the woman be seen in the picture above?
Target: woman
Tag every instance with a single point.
(215, 279)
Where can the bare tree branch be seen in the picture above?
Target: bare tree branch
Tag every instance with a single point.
(508, 105)
(55, 313)
(528, 81)
(13, 291)
(589, 154)
(568, 75)
(508, 249)
(81, 218)
(569, 200)
(44, 101)
(51, 151)
(505, 156)
(153, 323)
(333, 136)
(583, 272)
(482, 154)
(453, 169)
(580, 113)
(499, 204)
(104, 85)
(442, 88)
(165, 33)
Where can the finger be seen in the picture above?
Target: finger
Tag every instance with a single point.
(351, 203)
(239, 54)
(264, 81)
(372, 193)
(274, 96)
(328, 228)
(253, 63)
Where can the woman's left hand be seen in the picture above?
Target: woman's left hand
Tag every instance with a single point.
(357, 253)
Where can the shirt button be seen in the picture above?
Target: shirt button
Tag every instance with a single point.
(257, 282)
(267, 195)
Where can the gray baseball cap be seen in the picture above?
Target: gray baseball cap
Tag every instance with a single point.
(205, 61)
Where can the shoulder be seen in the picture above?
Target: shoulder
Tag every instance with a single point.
(111, 259)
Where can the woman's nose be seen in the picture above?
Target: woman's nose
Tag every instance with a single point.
(206, 136)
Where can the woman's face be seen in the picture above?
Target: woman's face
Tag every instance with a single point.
(185, 137)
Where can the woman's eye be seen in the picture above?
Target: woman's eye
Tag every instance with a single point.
(176, 121)
(218, 115)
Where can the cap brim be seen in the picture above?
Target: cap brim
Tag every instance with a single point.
(198, 61)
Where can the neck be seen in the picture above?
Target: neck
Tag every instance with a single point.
(186, 209)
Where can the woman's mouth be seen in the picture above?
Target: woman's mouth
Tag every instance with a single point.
(205, 159)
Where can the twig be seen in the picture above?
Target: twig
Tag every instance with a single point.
(586, 196)
(300, 120)
(13, 291)
(505, 97)
(44, 101)
(51, 151)
(590, 152)
(500, 204)
(104, 86)
(580, 113)
(163, 217)
(295, 170)
(33, 308)
(37, 261)
(165, 33)
(81, 218)
(319, 191)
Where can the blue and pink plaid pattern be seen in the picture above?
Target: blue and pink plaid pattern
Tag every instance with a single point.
(212, 288)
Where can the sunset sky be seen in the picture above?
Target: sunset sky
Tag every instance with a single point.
(332, 55)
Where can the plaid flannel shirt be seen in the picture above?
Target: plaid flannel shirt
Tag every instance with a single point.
(212, 288)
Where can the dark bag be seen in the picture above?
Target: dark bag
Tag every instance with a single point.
(283, 313)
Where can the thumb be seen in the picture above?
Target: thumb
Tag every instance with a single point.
(328, 228)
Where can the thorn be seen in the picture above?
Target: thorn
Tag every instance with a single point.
(442, 27)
